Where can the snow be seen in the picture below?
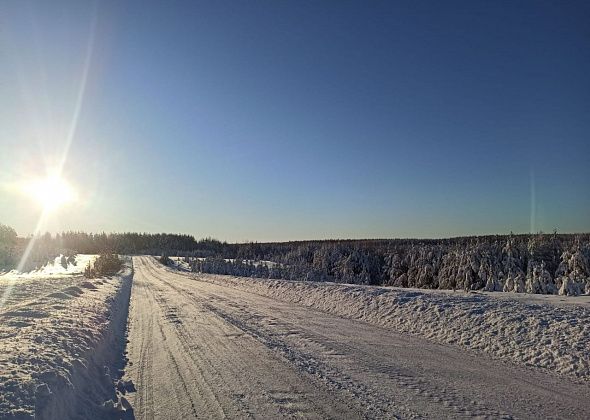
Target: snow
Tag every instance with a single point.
(180, 264)
(255, 263)
(53, 269)
(543, 332)
(224, 347)
(61, 342)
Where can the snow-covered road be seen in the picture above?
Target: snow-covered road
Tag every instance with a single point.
(198, 349)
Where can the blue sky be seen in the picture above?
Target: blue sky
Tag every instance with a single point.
(288, 120)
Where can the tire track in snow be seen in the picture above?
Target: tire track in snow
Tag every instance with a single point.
(145, 392)
(250, 319)
(275, 397)
(184, 386)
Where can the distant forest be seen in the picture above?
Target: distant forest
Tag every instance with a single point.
(47, 246)
(539, 263)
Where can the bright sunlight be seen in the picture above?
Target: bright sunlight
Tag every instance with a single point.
(51, 193)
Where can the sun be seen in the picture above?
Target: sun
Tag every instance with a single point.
(51, 193)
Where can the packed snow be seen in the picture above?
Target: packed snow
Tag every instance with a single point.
(62, 338)
(216, 347)
(543, 333)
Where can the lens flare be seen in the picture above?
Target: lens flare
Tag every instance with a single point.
(51, 193)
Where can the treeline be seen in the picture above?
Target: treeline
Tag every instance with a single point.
(46, 247)
(243, 268)
(517, 263)
(39, 251)
(134, 243)
(540, 263)
(8, 247)
(43, 248)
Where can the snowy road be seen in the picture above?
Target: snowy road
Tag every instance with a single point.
(198, 349)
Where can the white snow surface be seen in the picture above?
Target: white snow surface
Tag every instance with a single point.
(219, 347)
(224, 346)
(547, 332)
(53, 269)
(61, 343)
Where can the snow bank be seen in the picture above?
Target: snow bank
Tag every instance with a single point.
(538, 334)
(61, 350)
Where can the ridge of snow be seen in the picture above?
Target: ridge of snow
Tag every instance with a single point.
(61, 347)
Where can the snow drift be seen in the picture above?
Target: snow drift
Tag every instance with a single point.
(62, 347)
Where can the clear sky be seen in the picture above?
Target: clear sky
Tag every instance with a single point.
(278, 120)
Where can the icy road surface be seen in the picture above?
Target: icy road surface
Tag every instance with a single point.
(198, 349)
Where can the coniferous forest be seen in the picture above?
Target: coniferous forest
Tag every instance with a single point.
(532, 263)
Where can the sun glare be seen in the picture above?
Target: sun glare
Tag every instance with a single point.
(51, 193)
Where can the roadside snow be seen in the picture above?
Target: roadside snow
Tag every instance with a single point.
(542, 333)
(61, 345)
(180, 263)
